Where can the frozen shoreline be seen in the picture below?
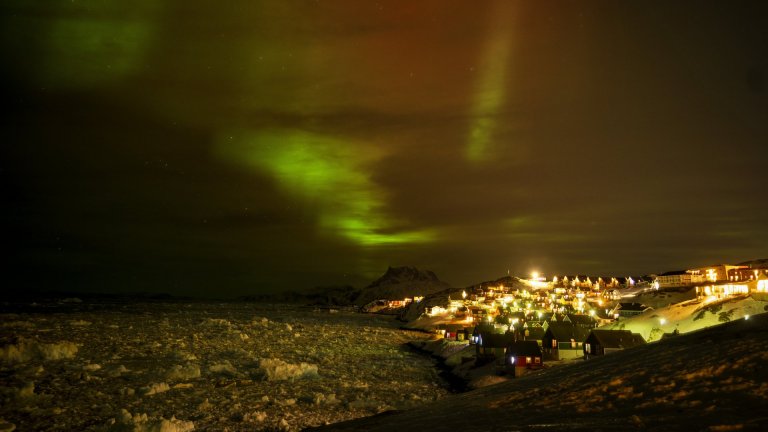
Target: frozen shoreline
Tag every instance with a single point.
(222, 365)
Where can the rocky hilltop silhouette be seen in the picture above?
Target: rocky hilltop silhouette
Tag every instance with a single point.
(398, 283)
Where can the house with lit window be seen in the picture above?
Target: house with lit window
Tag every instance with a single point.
(603, 317)
(746, 274)
(491, 346)
(563, 341)
(605, 282)
(522, 357)
(582, 281)
(601, 342)
(453, 331)
(719, 272)
(756, 278)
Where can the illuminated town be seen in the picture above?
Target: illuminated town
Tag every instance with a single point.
(565, 314)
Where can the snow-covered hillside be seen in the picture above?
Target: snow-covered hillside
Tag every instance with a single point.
(690, 315)
(177, 367)
(710, 380)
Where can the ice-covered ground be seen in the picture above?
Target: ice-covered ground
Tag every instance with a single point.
(178, 367)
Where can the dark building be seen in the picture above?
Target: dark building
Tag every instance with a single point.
(491, 346)
(601, 342)
(522, 357)
(563, 341)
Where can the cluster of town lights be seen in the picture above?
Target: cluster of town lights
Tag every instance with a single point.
(577, 294)
(537, 280)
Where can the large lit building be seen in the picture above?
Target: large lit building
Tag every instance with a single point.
(757, 278)
(719, 272)
(681, 278)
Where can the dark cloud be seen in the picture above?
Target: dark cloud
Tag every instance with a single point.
(249, 147)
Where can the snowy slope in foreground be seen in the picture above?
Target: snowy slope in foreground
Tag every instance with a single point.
(714, 379)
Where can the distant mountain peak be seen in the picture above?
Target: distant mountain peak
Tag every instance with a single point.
(401, 282)
(395, 275)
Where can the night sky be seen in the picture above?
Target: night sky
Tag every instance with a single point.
(227, 148)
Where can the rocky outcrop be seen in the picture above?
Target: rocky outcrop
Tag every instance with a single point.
(401, 282)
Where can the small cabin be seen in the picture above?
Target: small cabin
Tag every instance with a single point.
(563, 341)
(601, 342)
(492, 346)
(523, 356)
(454, 332)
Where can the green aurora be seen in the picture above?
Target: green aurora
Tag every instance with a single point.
(491, 91)
(327, 173)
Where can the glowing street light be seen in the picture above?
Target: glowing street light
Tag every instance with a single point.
(662, 321)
